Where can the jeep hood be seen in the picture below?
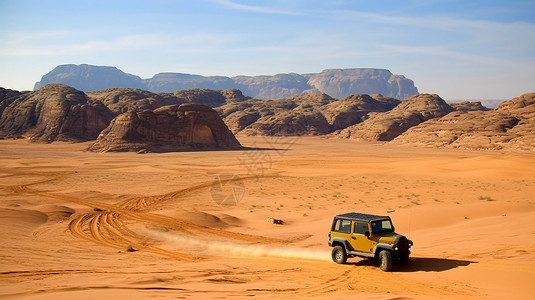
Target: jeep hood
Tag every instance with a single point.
(387, 238)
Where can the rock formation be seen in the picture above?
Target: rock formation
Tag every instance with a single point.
(168, 128)
(388, 125)
(54, 113)
(510, 126)
(338, 83)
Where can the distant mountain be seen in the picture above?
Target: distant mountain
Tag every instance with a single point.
(337, 83)
(488, 103)
(90, 78)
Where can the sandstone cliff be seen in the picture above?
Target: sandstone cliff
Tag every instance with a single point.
(168, 128)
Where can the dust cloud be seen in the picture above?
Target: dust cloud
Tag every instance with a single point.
(233, 249)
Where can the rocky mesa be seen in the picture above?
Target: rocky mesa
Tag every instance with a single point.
(337, 83)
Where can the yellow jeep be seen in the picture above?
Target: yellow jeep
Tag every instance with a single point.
(370, 236)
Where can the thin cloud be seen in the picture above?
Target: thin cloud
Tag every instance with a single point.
(26, 46)
(439, 51)
(254, 8)
(436, 22)
(198, 42)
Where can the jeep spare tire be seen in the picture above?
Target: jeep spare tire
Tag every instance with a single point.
(339, 255)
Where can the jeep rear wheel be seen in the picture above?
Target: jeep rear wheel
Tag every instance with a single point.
(385, 260)
(339, 255)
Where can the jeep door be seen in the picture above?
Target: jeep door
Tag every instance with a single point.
(341, 229)
(359, 241)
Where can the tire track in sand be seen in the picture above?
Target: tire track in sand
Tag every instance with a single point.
(105, 226)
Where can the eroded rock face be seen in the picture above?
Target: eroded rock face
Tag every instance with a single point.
(168, 128)
(508, 127)
(54, 113)
(388, 125)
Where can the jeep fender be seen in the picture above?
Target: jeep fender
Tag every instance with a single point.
(337, 241)
(382, 246)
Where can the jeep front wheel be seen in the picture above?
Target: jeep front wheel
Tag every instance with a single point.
(385, 260)
(402, 258)
(339, 255)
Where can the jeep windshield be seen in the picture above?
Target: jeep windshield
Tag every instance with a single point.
(382, 226)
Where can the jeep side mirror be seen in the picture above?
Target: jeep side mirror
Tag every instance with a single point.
(367, 233)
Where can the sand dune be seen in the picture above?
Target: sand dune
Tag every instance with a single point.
(196, 225)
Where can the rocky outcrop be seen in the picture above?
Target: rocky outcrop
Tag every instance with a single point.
(338, 83)
(168, 128)
(508, 127)
(54, 113)
(388, 125)
(7, 96)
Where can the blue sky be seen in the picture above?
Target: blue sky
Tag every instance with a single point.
(457, 49)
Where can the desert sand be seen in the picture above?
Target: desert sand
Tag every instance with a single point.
(195, 225)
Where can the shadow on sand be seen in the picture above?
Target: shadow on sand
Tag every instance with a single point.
(422, 264)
